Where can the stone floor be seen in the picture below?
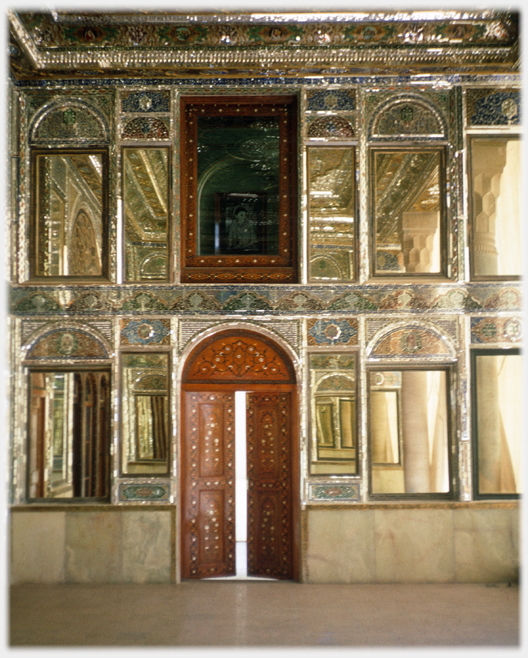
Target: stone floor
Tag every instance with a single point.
(264, 614)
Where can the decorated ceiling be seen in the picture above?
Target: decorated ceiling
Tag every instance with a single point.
(168, 44)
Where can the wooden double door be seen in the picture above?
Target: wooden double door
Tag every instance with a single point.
(209, 471)
(209, 484)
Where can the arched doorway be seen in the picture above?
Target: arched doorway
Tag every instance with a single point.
(218, 368)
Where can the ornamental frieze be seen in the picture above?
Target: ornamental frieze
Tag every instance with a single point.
(268, 300)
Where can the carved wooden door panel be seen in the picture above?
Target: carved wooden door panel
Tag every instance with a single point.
(208, 485)
(269, 485)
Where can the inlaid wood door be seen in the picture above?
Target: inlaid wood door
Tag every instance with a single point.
(208, 484)
(218, 367)
(269, 485)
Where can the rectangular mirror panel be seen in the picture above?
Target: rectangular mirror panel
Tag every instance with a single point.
(146, 209)
(145, 414)
(498, 382)
(69, 225)
(69, 434)
(334, 424)
(331, 198)
(409, 432)
(496, 207)
(408, 211)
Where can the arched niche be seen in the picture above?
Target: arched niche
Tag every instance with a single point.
(67, 343)
(73, 122)
(411, 341)
(410, 117)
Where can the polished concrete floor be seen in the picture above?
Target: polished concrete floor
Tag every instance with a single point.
(264, 614)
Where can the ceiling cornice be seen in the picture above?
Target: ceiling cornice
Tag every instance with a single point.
(64, 44)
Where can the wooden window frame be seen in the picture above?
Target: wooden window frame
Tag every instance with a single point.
(280, 268)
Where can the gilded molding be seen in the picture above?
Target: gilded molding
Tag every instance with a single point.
(172, 45)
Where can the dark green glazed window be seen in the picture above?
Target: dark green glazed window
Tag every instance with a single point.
(239, 206)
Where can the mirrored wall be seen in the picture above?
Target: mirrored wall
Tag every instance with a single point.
(331, 198)
(407, 191)
(145, 423)
(69, 229)
(146, 210)
(498, 397)
(69, 434)
(409, 432)
(495, 175)
(334, 416)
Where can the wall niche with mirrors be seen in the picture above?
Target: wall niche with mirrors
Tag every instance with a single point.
(332, 213)
(69, 434)
(408, 209)
(334, 449)
(145, 417)
(69, 229)
(495, 201)
(146, 214)
(409, 432)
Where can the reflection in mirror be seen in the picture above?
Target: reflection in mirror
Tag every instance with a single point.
(496, 210)
(69, 211)
(409, 448)
(238, 185)
(408, 212)
(146, 207)
(385, 427)
(145, 414)
(498, 382)
(333, 414)
(331, 208)
(69, 432)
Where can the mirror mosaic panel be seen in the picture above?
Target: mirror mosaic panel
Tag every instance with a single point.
(333, 414)
(332, 213)
(408, 207)
(145, 437)
(69, 214)
(146, 209)
(409, 432)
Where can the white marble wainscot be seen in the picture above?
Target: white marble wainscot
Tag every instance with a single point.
(92, 544)
(413, 542)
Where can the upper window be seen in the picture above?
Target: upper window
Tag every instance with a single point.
(409, 434)
(409, 211)
(239, 189)
(497, 378)
(69, 434)
(69, 225)
(495, 176)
